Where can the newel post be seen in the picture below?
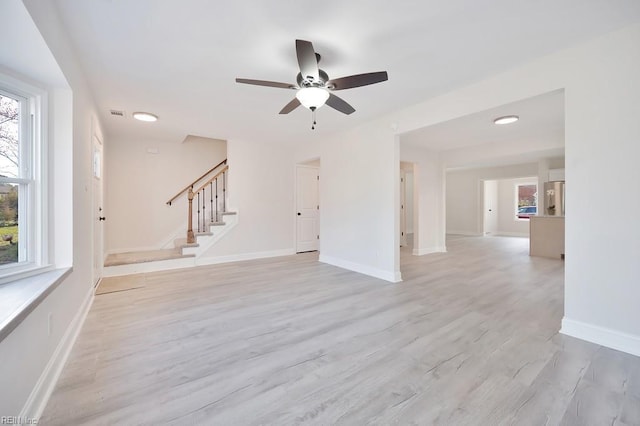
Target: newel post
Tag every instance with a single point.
(190, 237)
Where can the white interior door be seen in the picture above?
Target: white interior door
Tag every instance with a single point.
(98, 216)
(403, 209)
(308, 208)
(490, 207)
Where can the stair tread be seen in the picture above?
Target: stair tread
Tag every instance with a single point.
(129, 258)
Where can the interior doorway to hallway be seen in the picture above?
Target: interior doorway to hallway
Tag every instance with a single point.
(406, 204)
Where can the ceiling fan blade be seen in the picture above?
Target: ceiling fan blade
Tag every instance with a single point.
(307, 60)
(339, 104)
(266, 83)
(357, 80)
(295, 103)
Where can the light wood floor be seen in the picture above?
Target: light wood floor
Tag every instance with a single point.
(469, 337)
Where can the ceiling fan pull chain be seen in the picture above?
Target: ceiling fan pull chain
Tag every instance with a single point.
(313, 116)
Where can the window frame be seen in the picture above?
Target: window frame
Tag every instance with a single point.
(32, 179)
(517, 198)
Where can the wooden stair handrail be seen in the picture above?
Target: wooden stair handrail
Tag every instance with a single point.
(186, 188)
(212, 179)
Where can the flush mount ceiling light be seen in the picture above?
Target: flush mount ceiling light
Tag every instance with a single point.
(507, 119)
(145, 116)
(312, 97)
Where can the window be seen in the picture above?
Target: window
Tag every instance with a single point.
(21, 198)
(526, 200)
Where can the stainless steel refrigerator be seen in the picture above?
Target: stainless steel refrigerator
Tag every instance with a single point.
(554, 198)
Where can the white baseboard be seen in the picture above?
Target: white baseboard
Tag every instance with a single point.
(613, 339)
(390, 276)
(40, 394)
(212, 260)
(466, 233)
(129, 250)
(512, 234)
(206, 242)
(429, 250)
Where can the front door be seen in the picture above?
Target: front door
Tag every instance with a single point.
(308, 208)
(98, 211)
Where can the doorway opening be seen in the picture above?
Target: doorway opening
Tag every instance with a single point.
(406, 204)
(507, 206)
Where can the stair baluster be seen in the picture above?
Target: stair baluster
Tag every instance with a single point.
(190, 237)
(201, 202)
(204, 210)
(198, 211)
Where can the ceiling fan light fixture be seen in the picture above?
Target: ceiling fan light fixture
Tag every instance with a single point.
(507, 119)
(312, 97)
(145, 116)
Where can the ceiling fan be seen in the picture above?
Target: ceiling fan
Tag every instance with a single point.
(314, 86)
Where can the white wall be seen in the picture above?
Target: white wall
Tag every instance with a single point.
(464, 204)
(603, 134)
(26, 352)
(465, 198)
(428, 199)
(140, 183)
(601, 149)
(359, 199)
(261, 190)
(360, 194)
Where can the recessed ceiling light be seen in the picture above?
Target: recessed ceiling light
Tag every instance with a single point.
(145, 116)
(507, 119)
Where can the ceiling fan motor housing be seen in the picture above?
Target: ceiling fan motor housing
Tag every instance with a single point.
(309, 81)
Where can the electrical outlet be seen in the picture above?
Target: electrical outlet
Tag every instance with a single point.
(49, 324)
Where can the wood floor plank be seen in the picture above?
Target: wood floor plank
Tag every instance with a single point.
(469, 337)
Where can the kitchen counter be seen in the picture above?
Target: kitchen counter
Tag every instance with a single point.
(546, 236)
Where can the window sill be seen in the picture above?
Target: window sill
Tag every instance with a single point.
(20, 297)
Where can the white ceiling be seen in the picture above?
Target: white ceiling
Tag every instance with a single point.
(28, 52)
(179, 59)
(541, 121)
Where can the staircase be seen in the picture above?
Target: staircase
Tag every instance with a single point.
(207, 222)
